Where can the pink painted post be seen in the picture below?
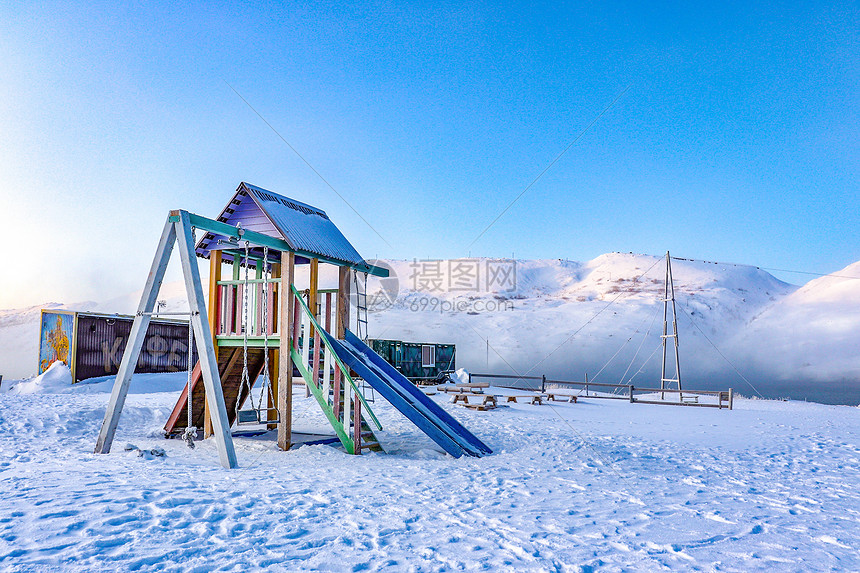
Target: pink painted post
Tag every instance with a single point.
(229, 313)
(238, 310)
(296, 324)
(258, 327)
(337, 391)
(272, 302)
(356, 417)
(316, 369)
(219, 327)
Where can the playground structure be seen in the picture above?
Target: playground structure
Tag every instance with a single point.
(266, 325)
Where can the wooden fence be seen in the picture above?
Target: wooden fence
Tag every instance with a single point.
(633, 394)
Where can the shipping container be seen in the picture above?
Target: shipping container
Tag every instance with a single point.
(418, 361)
(92, 344)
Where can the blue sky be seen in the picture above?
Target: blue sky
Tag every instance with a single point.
(736, 139)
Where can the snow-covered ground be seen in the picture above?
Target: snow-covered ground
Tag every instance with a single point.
(739, 326)
(600, 485)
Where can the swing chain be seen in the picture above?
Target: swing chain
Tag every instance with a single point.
(265, 325)
(190, 429)
(245, 381)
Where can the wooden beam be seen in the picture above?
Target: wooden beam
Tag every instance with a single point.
(214, 319)
(135, 338)
(285, 362)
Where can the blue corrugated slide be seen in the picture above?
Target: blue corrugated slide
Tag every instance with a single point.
(430, 418)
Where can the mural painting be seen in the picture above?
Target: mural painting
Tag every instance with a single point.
(56, 337)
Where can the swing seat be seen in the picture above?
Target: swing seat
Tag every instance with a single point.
(255, 416)
(247, 417)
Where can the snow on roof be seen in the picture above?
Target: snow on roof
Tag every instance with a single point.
(304, 227)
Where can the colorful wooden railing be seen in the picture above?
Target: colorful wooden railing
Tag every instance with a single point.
(231, 307)
(229, 319)
(328, 378)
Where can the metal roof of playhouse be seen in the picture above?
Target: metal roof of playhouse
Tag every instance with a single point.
(306, 229)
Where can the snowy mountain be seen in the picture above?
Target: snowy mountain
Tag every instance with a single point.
(811, 335)
(604, 317)
(564, 319)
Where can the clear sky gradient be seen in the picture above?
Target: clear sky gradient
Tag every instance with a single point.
(737, 139)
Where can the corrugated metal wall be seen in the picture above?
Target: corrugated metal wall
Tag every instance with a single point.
(100, 342)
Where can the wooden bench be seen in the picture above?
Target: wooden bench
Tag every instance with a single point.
(536, 399)
(558, 397)
(474, 387)
(486, 401)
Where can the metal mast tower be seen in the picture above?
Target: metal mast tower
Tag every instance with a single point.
(669, 296)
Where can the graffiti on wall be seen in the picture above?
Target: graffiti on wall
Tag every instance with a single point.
(56, 337)
(171, 356)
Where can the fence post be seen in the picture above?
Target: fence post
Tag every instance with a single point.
(731, 398)
(630, 389)
(543, 383)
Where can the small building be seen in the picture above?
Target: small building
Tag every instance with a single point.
(418, 361)
(91, 344)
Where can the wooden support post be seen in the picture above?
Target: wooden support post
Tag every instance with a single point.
(314, 288)
(313, 291)
(205, 344)
(214, 316)
(630, 389)
(342, 322)
(731, 398)
(328, 359)
(285, 362)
